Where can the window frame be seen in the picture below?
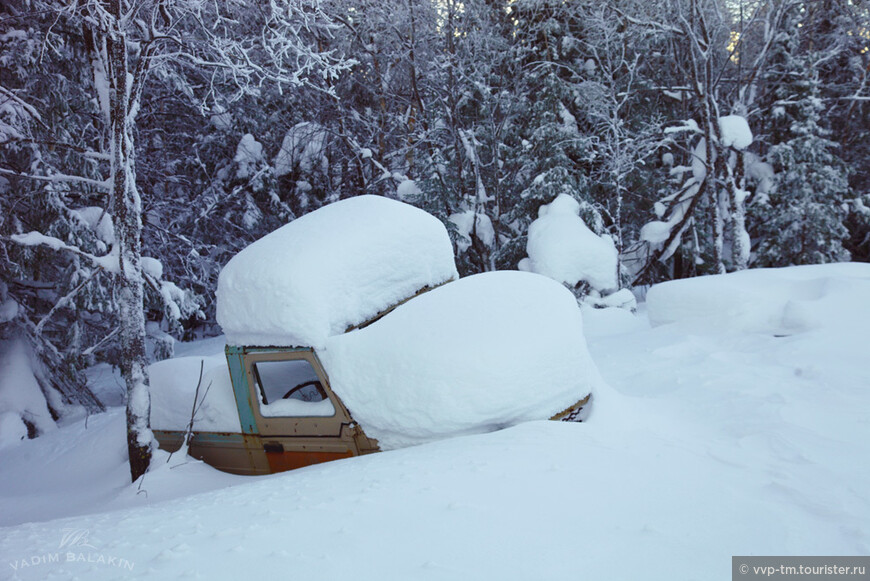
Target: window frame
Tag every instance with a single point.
(308, 426)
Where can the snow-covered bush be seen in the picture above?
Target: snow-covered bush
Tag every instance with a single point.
(562, 247)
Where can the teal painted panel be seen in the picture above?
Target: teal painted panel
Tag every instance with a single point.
(236, 363)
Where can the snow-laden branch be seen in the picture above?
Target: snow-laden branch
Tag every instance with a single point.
(649, 23)
(280, 55)
(688, 125)
(109, 262)
(84, 152)
(30, 109)
(103, 185)
(63, 302)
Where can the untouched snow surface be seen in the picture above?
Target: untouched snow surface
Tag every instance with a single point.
(781, 301)
(713, 441)
(478, 354)
(331, 269)
(562, 247)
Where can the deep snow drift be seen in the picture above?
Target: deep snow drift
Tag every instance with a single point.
(331, 269)
(715, 440)
(472, 356)
(174, 384)
(478, 354)
(780, 301)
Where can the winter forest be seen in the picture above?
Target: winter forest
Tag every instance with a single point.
(144, 144)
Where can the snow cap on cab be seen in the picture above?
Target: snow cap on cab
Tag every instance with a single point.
(334, 268)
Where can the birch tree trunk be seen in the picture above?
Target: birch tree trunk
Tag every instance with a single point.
(127, 210)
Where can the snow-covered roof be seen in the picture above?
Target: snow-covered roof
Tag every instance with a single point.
(475, 355)
(329, 270)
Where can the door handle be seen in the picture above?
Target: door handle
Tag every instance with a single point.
(273, 448)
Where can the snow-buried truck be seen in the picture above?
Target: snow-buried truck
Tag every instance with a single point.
(349, 332)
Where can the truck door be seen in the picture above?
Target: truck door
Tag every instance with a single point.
(299, 418)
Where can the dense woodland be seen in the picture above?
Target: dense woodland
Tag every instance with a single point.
(143, 144)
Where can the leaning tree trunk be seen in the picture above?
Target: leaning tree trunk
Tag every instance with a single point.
(128, 227)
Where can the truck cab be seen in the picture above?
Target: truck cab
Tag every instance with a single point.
(348, 331)
(289, 415)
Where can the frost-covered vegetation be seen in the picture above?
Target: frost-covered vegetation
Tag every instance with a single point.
(143, 144)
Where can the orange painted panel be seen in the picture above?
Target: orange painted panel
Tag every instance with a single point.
(281, 461)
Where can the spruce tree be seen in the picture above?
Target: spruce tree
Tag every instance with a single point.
(801, 222)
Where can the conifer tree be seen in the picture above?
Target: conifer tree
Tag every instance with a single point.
(802, 221)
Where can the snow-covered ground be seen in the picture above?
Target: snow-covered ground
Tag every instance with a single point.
(717, 436)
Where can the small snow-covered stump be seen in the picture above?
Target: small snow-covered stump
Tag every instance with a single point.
(562, 247)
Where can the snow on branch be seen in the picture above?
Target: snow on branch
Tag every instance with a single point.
(173, 297)
(109, 262)
(281, 55)
(689, 125)
(64, 301)
(30, 109)
(102, 185)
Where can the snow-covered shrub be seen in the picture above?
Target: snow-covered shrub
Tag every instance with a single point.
(562, 247)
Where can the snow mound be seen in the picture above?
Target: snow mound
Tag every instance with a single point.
(562, 247)
(476, 355)
(331, 269)
(407, 189)
(777, 300)
(173, 385)
(735, 131)
(21, 397)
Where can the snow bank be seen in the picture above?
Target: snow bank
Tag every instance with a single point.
(479, 354)
(563, 248)
(328, 270)
(173, 385)
(777, 300)
(21, 397)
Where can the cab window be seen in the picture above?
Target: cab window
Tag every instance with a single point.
(291, 388)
